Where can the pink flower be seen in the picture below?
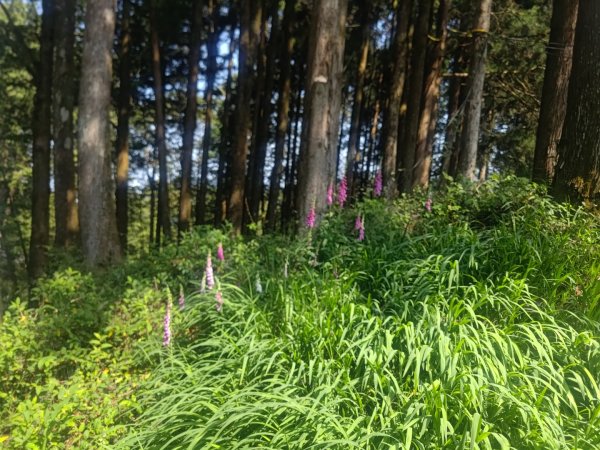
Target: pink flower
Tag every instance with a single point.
(428, 204)
(181, 298)
(311, 218)
(378, 187)
(330, 195)
(167, 326)
(359, 224)
(343, 192)
(220, 253)
(219, 299)
(210, 279)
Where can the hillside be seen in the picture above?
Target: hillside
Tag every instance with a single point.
(470, 324)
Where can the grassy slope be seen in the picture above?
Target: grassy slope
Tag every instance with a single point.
(473, 326)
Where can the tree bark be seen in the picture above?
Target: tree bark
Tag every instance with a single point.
(65, 194)
(225, 143)
(467, 161)
(415, 92)
(41, 130)
(283, 108)
(357, 104)
(97, 216)
(211, 73)
(163, 216)
(249, 30)
(578, 168)
(123, 113)
(291, 167)
(554, 92)
(450, 157)
(262, 115)
(392, 113)
(431, 96)
(189, 121)
(322, 104)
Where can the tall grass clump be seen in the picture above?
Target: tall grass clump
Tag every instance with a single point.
(466, 321)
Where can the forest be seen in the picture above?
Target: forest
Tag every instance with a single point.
(299, 224)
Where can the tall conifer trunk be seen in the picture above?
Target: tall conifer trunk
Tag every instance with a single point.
(123, 113)
(65, 194)
(211, 73)
(225, 143)
(467, 160)
(283, 108)
(163, 216)
(262, 115)
(189, 121)
(578, 168)
(554, 92)
(99, 237)
(431, 96)
(322, 104)
(41, 130)
(392, 113)
(357, 104)
(415, 92)
(249, 32)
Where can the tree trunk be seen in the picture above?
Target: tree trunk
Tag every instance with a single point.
(163, 216)
(283, 108)
(578, 168)
(372, 139)
(322, 104)
(290, 191)
(340, 139)
(450, 158)
(41, 130)
(415, 92)
(97, 216)
(431, 98)
(262, 116)
(189, 121)
(467, 161)
(361, 70)
(392, 113)
(123, 113)
(225, 143)
(249, 30)
(65, 195)
(554, 92)
(211, 73)
(152, 184)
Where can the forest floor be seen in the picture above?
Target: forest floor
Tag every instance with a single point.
(470, 325)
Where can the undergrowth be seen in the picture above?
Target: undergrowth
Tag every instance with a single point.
(474, 325)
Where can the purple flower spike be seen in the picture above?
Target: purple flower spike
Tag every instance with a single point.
(311, 218)
(220, 253)
(359, 225)
(219, 299)
(210, 279)
(330, 195)
(428, 204)
(181, 298)
(343, 192)
(167, 326)
(378, 188)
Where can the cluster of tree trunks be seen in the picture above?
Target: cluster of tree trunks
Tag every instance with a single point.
(306, 70)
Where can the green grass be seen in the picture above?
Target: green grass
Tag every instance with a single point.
(474, 326)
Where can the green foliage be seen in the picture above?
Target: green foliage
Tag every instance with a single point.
(474, 325)
(452, 329)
